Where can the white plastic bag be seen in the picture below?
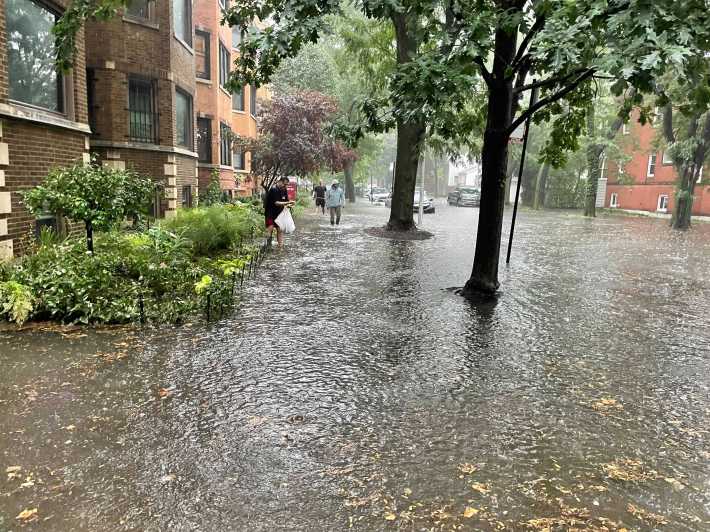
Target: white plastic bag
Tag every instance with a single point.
(285, 221)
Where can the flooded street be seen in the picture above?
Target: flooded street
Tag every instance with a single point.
(352, 390)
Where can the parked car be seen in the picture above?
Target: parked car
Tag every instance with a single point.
(464, 197)
(427, 203)
(378, 194)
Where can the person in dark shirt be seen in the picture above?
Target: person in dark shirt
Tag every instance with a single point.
(319, 195)
(276, 201)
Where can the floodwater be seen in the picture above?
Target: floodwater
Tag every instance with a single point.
(351, 390)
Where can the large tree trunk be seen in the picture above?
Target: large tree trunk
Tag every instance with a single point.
(349, 183)
(688, 174)
(484, 275)
(409, 139)
(541, 186)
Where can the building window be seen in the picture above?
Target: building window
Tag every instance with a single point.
(140, 9)
(700, 175)
(252, 100)
(183, 119)
(187, 196)
(204, 140)
(182, 18)
(91, 98)
(602, 167)
(667, 159)
(222, 4)
(662, 203)
(202, 54)
(141, 110)
(224, 60)
(614, 202)
(33, 77)
(238, 100)
(238, 159)
(225, 145)
(237, 36)
(625, 129)
(651, 171)
(656, 118)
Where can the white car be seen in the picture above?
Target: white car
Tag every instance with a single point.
(378, 194)
(427, 203)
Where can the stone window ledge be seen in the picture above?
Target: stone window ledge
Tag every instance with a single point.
(142, 146)
(141, 22)
(38, 116)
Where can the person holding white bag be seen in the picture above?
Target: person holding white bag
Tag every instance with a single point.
(276, 201)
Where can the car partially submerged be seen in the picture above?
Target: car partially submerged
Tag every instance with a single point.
(463, 196)
(427, 203)
(378, 194)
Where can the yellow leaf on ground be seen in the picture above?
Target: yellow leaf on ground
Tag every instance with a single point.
(164, 392)
(467, 469)
(407, 492)
(480, 487)
(13, 469)
(389, 516)
(27, 514)
(469, 512)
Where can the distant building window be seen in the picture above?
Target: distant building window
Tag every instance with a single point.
(614, 202)
(237, 36)
(182, 18)
(238, 159)
(252, 100)
(655, 119)
(141, 110)
(202, 54)
(662, 203)
(204, 140)
(33, 76)
(183, 119)
(625, 129)
(140, 9)
(225, 145)
(238, 100)
(91, 98)
(700, 175)
(602, 167)
(667, 159)
(223, 4)
(651, 171)
(224, 60)
(187, 196)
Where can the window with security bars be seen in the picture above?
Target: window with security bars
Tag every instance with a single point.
(141, 110)
(225, 145)
(238, 100)
(202, 54)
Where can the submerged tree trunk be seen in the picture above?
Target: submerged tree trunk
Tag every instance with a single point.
(541, 186)
(349, 183)
(594, 153)
(484, 275)
(409, 139)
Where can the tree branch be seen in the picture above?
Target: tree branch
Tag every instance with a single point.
(487, 77)
(668, 123)
(548, 81)
(536, 27)
(550, 99)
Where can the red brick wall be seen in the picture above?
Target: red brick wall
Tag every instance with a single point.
(34, 151)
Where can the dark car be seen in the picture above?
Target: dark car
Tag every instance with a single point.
(464, 197)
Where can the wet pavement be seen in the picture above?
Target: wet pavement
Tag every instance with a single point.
(351, 390)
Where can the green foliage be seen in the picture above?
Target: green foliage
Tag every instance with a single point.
(16, 301)
(213, 195)
(156, 269)
(94, 194)
(203, 284)
(215, 229)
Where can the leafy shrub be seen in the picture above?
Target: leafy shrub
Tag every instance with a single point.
(215, 229)
(16, 301)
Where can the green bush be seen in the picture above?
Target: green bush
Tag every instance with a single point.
(215, 229)
(16, 301)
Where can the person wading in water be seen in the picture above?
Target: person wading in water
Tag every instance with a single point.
(319, 195)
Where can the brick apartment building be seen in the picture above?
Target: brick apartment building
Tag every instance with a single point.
(220, 114)
(141, 93)
(648, 181)
(43, 114)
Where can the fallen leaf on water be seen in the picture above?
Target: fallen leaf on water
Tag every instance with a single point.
(467, 468)
(469, 512)
(164, 392)
(70, 427)
(675, 483)
(607, 405)
(629, 470)
(13, 469)
(167, 478)
(480, 487)
(407, 492)
(27, 514)
(389, 516)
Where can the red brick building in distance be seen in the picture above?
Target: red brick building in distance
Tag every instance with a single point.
(43, 114)
(648, 181)
(141, 92)
(220, 114)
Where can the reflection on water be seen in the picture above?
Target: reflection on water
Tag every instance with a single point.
(351, 389)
